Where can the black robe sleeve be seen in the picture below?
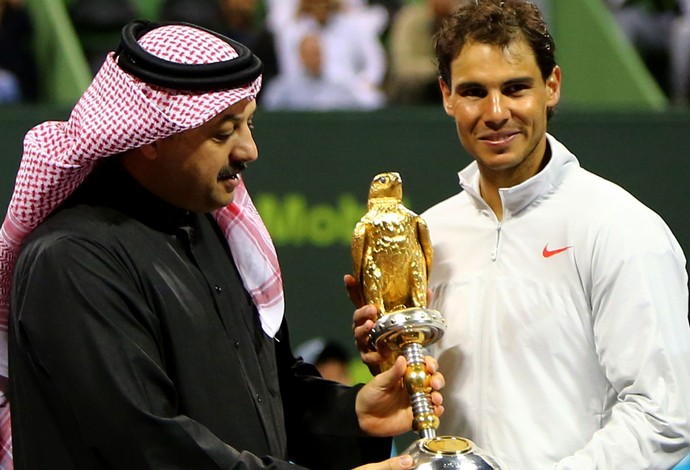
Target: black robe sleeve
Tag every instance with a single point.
(322, 426)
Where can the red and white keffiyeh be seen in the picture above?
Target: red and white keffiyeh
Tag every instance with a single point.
(119, 112)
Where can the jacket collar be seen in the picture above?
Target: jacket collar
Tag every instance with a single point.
(517, 198)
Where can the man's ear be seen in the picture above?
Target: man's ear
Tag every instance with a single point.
(553, 87)
(149, 151)
(445, 92)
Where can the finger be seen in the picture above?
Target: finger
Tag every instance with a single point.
(363, 322)
(372, 358)
(362, 333)
(401, 462)
(438, 410)
(353, 290)
(431, 364)
(373, 361)
(429, 296)
(372, 354)
(362, 326)
(436, 398)
(362, 314)
(438, 381)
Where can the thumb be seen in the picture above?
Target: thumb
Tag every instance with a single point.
(402, 462)
(391, 377)
(354, 290)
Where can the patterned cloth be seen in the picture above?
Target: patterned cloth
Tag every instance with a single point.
(119, 112)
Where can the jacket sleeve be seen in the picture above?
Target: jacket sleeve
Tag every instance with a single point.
(639, 302)
(322, 425)
(82, 329)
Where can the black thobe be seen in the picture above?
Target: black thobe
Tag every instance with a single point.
(133, 344)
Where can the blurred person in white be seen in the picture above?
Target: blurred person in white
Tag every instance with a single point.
(278, 12)
(327, 47)
(308, 88)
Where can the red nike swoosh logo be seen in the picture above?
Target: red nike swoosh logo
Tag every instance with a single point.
(549, 253)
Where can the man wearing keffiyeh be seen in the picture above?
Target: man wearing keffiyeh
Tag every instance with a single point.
(140, 294)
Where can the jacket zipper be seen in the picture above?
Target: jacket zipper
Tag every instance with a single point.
(494, 253)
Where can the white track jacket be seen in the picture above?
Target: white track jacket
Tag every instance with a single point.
(568, 343)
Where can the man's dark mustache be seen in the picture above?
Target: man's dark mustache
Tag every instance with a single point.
(232, 171)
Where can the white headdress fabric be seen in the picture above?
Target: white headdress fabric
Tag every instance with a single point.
(119, 112)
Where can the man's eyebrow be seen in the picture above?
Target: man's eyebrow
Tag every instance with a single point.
(526, 80)
(519, 81)
(234, 118)
(467, 85)
(230, 117)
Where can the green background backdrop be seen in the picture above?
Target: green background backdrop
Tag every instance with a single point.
(314, 170)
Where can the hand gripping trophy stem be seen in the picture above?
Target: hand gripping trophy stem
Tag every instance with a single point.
(392, 254)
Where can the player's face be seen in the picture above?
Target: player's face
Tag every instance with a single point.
(499, 101)
(202, 166)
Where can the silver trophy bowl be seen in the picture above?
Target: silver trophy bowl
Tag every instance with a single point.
(449, 452)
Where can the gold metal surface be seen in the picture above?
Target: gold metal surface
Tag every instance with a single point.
(448, 445)
(418, 383)
(391, 249)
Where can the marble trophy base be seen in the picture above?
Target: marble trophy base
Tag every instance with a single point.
(449, 452)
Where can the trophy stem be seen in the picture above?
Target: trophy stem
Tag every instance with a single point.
(418, 387)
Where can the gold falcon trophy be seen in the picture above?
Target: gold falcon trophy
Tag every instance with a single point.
(391, 252)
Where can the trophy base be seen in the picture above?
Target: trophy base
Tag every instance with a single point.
(449, 452)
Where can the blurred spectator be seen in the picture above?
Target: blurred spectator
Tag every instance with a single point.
(659, 32)
(204, 13)
(309, 89)
(98, 24)
(18, 77)
(243, 22)
(240, 20)
(680, 56)
(280, 12)
(327, 50)
(374, 13)
(391, 6)
(330, 358)
(413, 75)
